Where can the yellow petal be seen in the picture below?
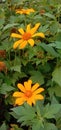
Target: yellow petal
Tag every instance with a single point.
(38, 91)
(17, 43)
(31, 42)
(34, 29)
(33, 99)
(31, 10)
(21, 87)
(29, 101)
(19, 12)
(34, 87)
(28, 85)
(19, 101)
(23, 44)
(21, 31)
(15, 35)
(39, 97)
(28, 28)
(39, 34)
(17, 94)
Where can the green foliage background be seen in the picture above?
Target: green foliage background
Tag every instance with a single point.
(41, 63)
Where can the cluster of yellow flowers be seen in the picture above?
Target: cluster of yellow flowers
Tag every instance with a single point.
(28, 93)
(27, 36)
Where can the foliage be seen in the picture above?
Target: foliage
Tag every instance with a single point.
(40, 63)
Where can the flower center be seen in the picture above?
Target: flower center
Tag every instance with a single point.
(26, 36)
(28, 93)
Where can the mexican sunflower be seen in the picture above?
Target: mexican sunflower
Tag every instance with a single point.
(24, 11)
(28, 93)
(26, 36)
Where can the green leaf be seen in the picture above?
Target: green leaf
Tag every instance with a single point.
(50, 126)
(58, 37)
(56, 44)
(50, 15)
(6, 88)
(49, 49)
(26, 113)
(16, 68)
(2, 22)
(55, 90)
(54, 27)
(3, 127)
(51, 110)
(10, 25)
(37, 125)
(36, 76)
(56, 75)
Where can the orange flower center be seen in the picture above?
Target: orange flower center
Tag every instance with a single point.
(28, 93)
(26, 36)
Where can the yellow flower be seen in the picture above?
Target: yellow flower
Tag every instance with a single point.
(24, 11)
(26, 36)
(28, 93)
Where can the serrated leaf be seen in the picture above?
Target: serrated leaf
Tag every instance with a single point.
(36, 76)
(25, 113)
(16, 68)
(37, 125)
(56, 89)
(56, 44)
(49, 15)
(10, 25)
(51, 110)
(56, 76)
(49, 49)
(6, 88)
(50, 126)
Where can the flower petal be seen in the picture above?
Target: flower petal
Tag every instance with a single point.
(21, 31)
(38, 91)
(34, 29)
(17, 94)
(19, 12)
(19, 101)
(34, 87)
(29, 101)
(39, 97)
(23, 44)
(39, 34)
(31, 42)
(15, 35)
(21, 87)
(28, 28)
(28, 85)
(17, 43)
